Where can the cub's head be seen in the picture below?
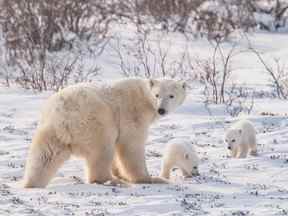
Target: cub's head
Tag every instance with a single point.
(188, 161)
(183, 155)
(169, 94)
(233, 138)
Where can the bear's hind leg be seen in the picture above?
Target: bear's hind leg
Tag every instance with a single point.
(253, 147)
(98, 169)
(46, 155)
(99, 159)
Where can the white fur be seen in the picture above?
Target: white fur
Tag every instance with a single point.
(106, 126)
(168, 96)
(181, 155)
(241, 138)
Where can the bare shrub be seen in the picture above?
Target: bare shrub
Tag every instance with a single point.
(5, 75)
(134, 58)
(277, 73)
(33, 24)
(35, 31)
(209, 18)
(54, 72)
(218, 19)
(275, 12)
(214, 19)
(173, 15)
(239, 100)
(214, 77)
(146, 58)
(215, 74)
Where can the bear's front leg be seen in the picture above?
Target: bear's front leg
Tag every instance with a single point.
(131, 162)
(243, 151)
(234, 152)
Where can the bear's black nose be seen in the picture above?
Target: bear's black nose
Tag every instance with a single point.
(229, 147)
(161, 111)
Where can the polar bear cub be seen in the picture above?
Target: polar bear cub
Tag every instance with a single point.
(181, 155)
(241, 138)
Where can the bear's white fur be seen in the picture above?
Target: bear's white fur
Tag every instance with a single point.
(182, 155)
(241, 138)
(107, 126)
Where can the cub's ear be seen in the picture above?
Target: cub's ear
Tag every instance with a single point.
(183, 84)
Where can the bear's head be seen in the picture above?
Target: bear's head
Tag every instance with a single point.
(233, 138)
(169, 94)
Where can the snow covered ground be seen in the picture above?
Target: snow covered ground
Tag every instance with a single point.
(251, 186)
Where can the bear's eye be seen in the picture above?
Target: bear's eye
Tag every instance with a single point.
(233, 140)
(195, 167)
(171, 96)
(157, 95)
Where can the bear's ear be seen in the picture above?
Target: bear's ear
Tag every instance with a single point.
(152, 82)
(186, 156)
(240, 131)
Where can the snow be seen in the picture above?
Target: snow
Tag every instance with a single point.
(226, 186)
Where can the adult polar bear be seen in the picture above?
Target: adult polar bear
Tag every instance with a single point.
(102, 125)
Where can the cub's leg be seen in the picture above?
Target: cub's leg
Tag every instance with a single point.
(253, 147)
(235, 152)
